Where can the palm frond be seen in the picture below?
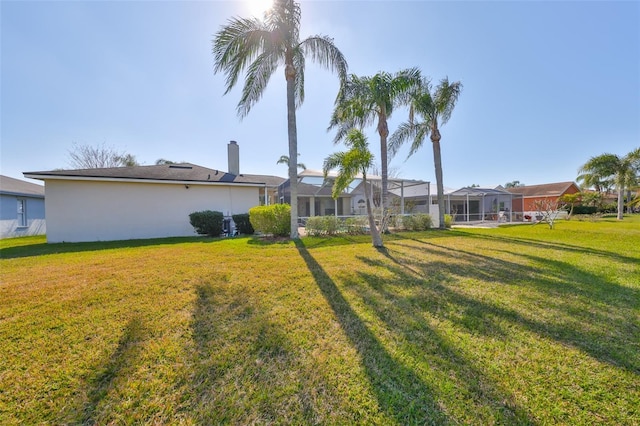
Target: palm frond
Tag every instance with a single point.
(348, 114)
(333, 161)
(258, 75)
(236, 45)
(284, 18)
(603, 165)
(349, 163)
(299, 64)
(446, 97)
(324, 52)
(404, 133)
(404, 84)
(421, 133)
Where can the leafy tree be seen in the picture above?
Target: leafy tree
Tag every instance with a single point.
(284, 159)
(162, 162)
(128, 160)
(592, 198)
(634, 202)
(623, 171)
(364, 101)
(99, 157)
(435, 108)
(260, 47)
(349, 164)
(571, 200)
(513, 184)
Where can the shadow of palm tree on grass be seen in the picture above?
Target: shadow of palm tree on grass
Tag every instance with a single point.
(400, 392)
(244, 362)
(41, 249)
(553, 245)
(608, 333)
(125, 355)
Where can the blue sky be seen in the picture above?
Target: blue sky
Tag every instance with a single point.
(546, 84)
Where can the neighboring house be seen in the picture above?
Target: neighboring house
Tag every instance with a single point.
(531, 194)
(315, 199)
(141, 202)
(21, 208)
(483, 204)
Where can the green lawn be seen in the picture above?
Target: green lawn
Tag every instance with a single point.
(516, 325)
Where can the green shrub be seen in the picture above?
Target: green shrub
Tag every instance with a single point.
(357, 225)
(608, 208)
(583, 209)
(274, 219)
(448, 220)
(207, 222)
(243, 224)
(417, 222)
(323, 225)
(313, 226)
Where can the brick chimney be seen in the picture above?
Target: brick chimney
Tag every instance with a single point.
(233, 151)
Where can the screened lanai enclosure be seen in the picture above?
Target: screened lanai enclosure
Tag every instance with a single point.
(314, 195)
(482, 205)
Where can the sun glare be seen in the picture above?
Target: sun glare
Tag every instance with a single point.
(258, 7)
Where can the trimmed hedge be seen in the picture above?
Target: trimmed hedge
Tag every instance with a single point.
(274, 219)
(243, 224)
(582, 209)
(207, 222)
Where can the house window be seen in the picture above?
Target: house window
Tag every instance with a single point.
(22, 212)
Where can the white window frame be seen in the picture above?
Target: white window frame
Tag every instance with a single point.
(22, 213)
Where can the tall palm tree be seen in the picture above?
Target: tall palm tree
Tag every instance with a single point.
(349, 164)
(364, 101)
(260, 47)
(625, 172)
(435, 108)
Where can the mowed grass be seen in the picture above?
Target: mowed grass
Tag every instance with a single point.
(516, 325)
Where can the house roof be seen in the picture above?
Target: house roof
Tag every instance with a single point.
(477, 191)
(11, 186)
(306, 189)
(333, 174)
(182, 172)
(418, 189)
(545, 190)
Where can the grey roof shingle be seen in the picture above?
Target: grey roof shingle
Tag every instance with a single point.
(183, 172)
(9, 185)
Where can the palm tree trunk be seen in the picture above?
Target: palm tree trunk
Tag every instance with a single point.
(290, 74)
(375, 235)
(383, 130)
(437, 160)
(620, 202)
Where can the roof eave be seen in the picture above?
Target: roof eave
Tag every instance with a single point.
(45, 177)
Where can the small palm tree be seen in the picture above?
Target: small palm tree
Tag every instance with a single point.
(260, 47)
(349, 164)
(284, 159)
(435, 108)
(364, 101)
(624, 171)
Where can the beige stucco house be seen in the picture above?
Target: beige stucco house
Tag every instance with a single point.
(141, 202)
